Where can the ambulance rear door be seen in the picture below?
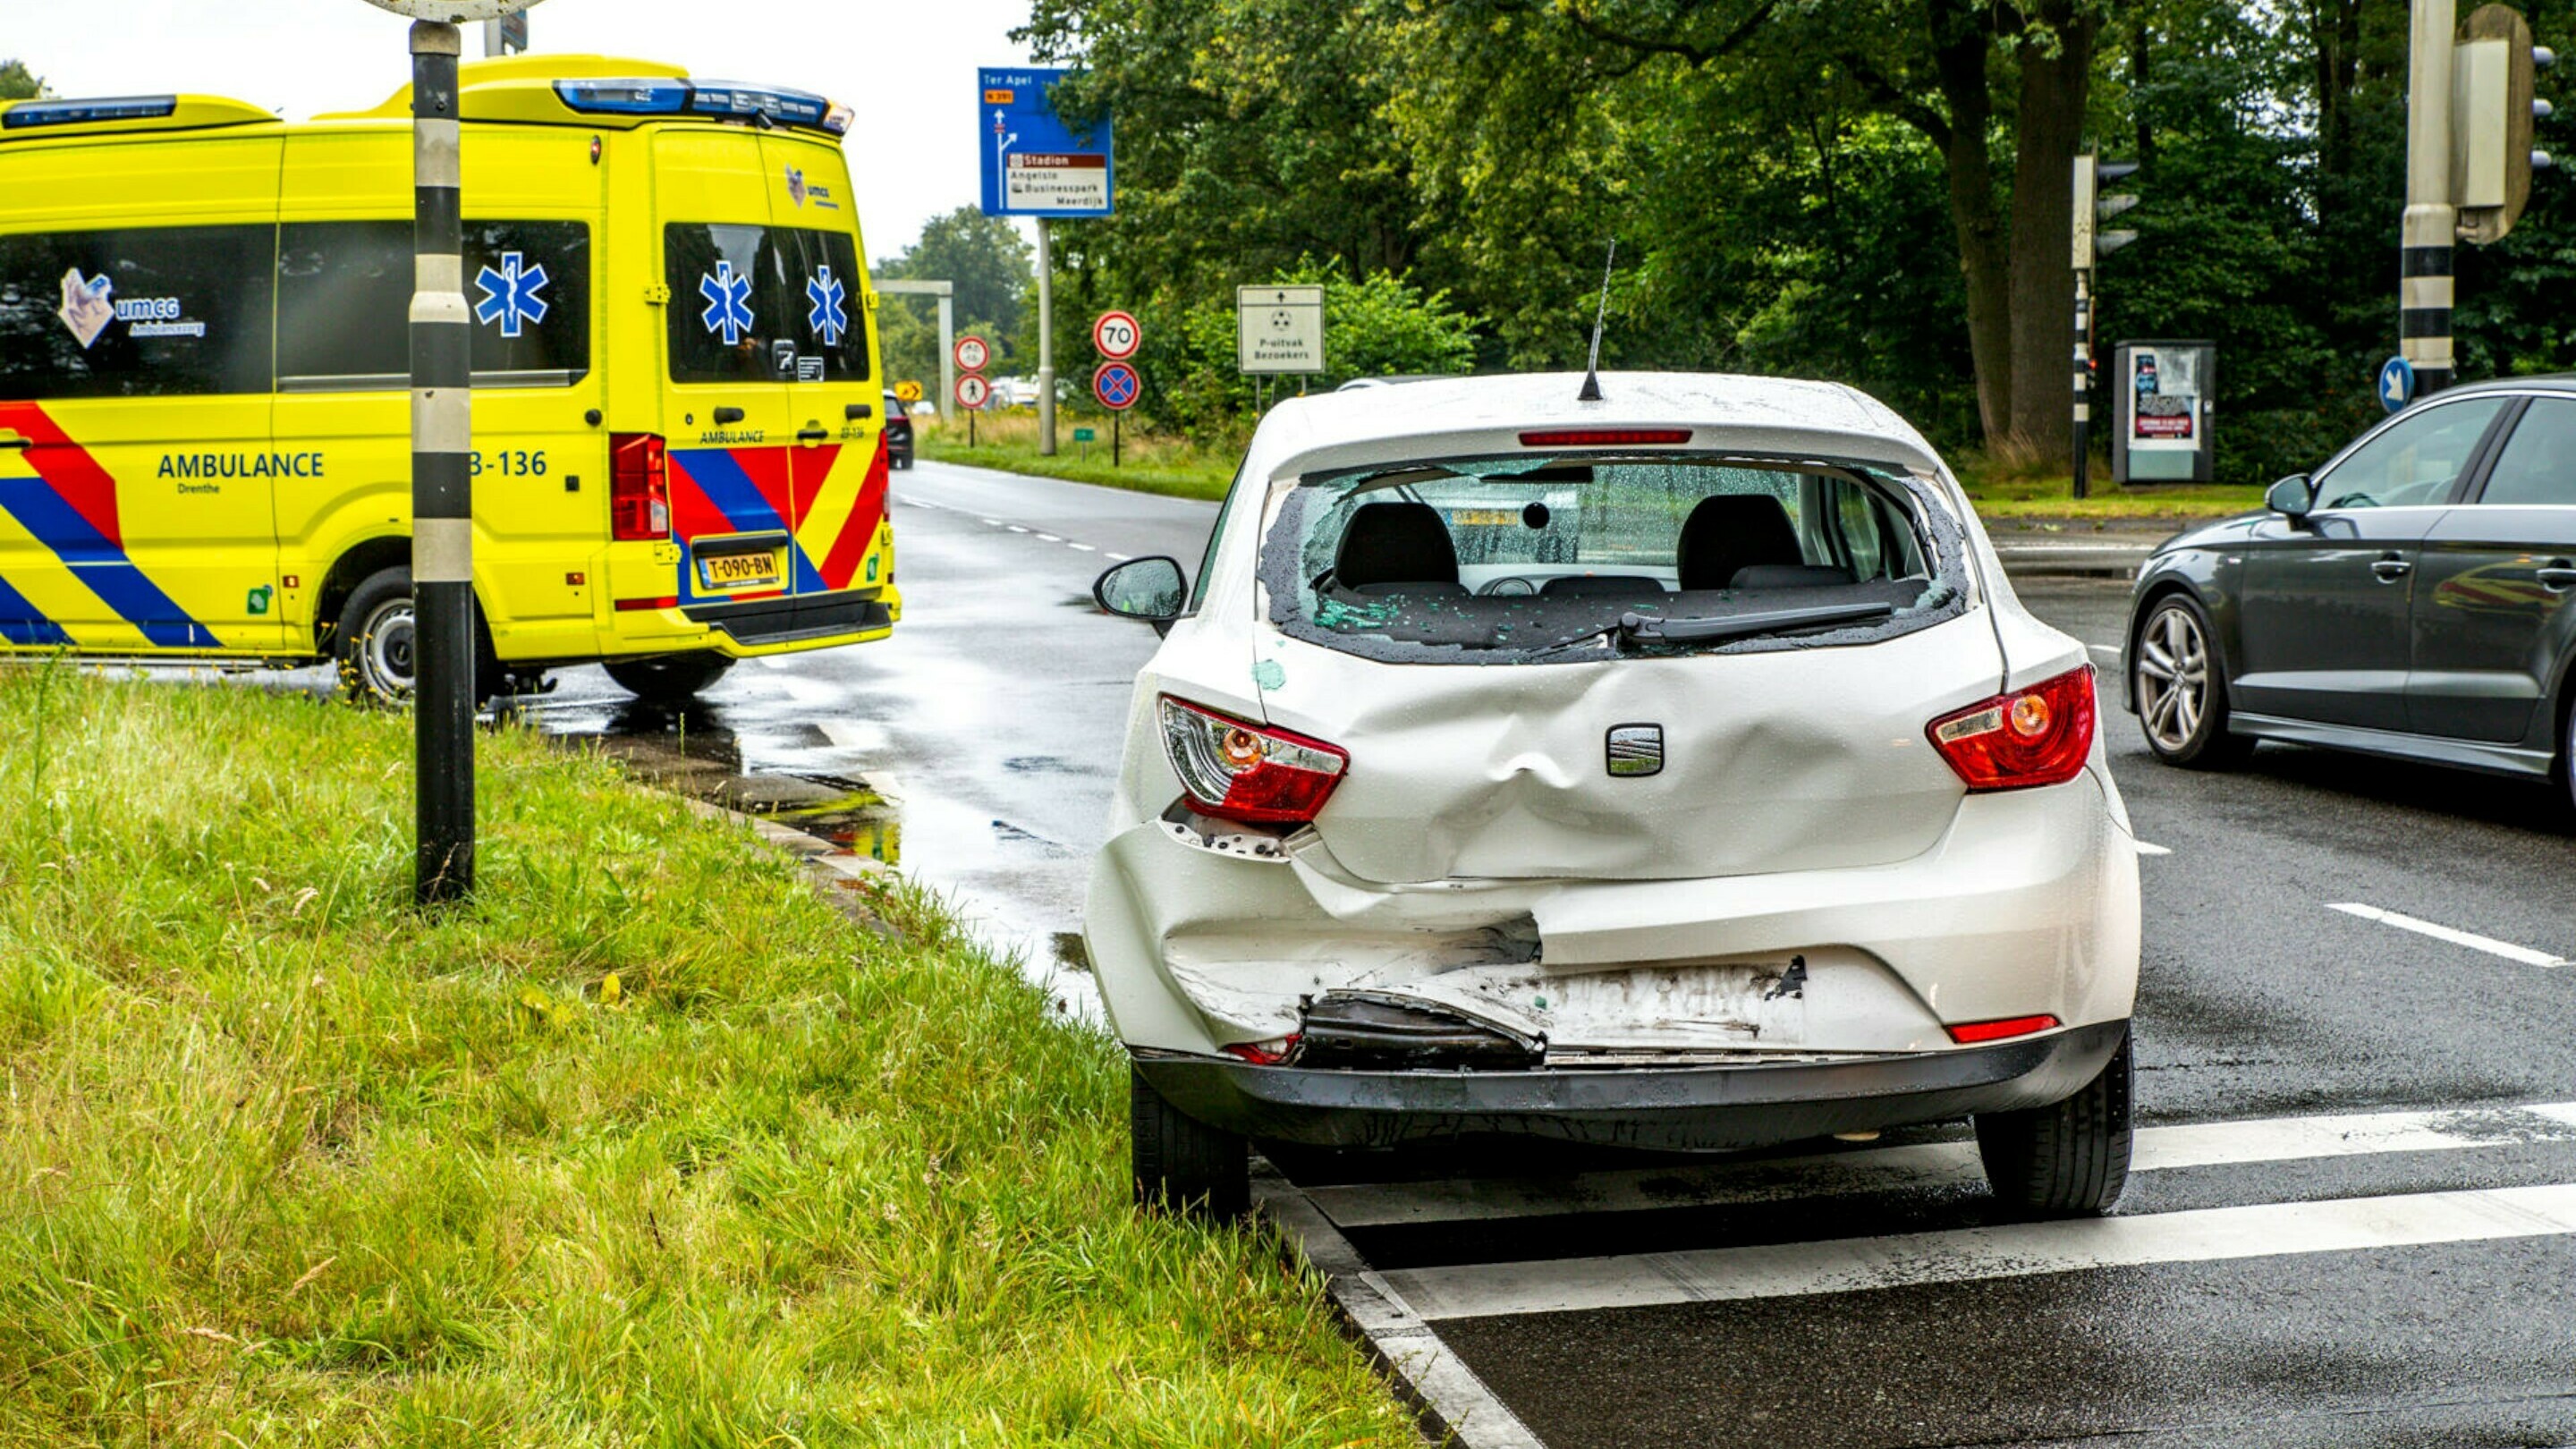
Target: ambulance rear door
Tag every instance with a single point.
(835, 398)
(731, 346)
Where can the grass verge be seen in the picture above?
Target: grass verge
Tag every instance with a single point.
(649, 1145)
(2008, 489)
(1149, 464)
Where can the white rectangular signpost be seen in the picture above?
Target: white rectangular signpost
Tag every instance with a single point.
(1279, 329)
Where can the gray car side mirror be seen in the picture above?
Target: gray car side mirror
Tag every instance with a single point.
(2292, 497)
(1151, 589)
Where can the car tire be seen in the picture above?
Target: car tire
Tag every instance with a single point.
(672, 679)
(373, 645)
(1181, 1164)
(2181, 691)
(2068, 1159)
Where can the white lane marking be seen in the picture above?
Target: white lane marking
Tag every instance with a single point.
(1086, 548)
(2111, 649)
(994, 521)
(1113, 557)
(2489, 944)
(1474, 1417)
(2145, 849)
(1932, 1164)
(1965, 1254)
(1051, 538)
(1015, 528)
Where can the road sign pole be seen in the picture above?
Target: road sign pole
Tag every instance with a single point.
(442, 484)
(2083, 400)
(948, 346)
(1046, 345)
(2431, 223)
(1114, 419)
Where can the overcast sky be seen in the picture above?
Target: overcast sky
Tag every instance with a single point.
(908, 69)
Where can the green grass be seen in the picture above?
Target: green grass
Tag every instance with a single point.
(2005, 488)
(1150, 464)
(651, 1145)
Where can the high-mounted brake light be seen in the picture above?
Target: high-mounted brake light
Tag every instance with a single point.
(74, 113)
(1239, 771)
(1969, 1033)
(2036, 736)
(639, 488)
(1602, 437)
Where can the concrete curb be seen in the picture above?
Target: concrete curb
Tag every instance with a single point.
(1455, 1406)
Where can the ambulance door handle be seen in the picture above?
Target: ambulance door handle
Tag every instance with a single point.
(728, 415)
(12, 444)
(812, 435)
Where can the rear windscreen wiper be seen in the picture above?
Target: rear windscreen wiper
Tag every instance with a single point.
(1646, 629)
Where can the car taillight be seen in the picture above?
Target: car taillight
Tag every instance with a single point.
(1238, 771)
(639, 488)
(2035, 736)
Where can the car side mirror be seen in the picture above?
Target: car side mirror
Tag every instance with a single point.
(1151, 589)
(2292, 497)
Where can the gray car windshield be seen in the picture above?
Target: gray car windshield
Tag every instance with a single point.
(1535, 557)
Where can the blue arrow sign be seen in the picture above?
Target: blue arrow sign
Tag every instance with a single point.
(1035, 164)
(2396, 383)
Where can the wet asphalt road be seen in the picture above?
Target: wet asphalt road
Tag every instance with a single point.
(2295, 1283)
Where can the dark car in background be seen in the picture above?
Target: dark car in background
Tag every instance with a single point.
(898, 432)
(2411, 598)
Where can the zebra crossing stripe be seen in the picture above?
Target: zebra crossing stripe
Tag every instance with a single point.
(1930, 1165)
(1968, 1254)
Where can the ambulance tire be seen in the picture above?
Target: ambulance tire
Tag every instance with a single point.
(672, 679)
(373, 645)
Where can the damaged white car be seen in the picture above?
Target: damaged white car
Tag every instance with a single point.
(1673, 769)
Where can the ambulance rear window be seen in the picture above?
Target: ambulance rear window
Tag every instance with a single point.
(344, 300)
(765, 304)
(143, 312)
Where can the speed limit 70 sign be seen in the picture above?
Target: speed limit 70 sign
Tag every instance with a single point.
(972, 354)
(1117, 336)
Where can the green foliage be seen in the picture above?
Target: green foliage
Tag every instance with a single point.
(17, 83)
(647, 1146)
(987, 261)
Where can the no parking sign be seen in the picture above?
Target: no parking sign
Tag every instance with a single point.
(1117, 385)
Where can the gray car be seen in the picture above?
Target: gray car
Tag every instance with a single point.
(2408, 599)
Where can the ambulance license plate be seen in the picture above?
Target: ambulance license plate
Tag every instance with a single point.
(739, 570)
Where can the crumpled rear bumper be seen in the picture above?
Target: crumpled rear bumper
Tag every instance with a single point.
(1685, 1108)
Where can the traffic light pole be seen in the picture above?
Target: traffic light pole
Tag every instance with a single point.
(2432, 222)
(442, 485)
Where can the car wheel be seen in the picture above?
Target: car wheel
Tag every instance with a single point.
(2181, 692)
(1181, 1164)
(673, 679)
(375, 642)
(2064, 1160)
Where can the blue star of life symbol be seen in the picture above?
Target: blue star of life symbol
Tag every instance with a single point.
(728, 303)
(829, 318)
(510, 294)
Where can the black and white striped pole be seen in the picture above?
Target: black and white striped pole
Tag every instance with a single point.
(2432, 221)
(442, 456)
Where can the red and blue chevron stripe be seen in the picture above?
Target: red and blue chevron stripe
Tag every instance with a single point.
(70, 508)
(722, 491)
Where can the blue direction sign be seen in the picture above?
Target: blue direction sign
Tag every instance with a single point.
(1034, 164)
(2396, 383)
(1117, 385)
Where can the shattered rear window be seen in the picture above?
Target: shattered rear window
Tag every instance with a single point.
(1540, 557)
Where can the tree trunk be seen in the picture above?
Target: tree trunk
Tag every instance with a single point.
(1961, 41)
(2051, 127)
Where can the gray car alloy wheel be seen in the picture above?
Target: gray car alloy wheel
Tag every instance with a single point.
(2173, 679)
(384, 653)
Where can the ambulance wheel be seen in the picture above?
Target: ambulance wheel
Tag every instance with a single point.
(373, 645)
(673, 679)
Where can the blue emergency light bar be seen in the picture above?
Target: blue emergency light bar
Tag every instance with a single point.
(74, 113)
(720, 99)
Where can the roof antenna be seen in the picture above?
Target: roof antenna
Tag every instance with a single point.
(1592, 368)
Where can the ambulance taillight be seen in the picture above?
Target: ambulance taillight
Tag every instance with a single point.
(639, 488)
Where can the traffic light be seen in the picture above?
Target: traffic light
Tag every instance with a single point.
(2092, 207)
(2492, 111)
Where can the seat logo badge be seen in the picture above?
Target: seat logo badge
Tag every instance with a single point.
(1636, 750)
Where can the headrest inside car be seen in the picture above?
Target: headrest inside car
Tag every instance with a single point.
(1733, 531)
(1396, 545)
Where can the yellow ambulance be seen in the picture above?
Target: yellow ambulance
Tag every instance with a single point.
(204, 379)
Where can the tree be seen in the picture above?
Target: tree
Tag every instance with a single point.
(17, 83)
(986, 262)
